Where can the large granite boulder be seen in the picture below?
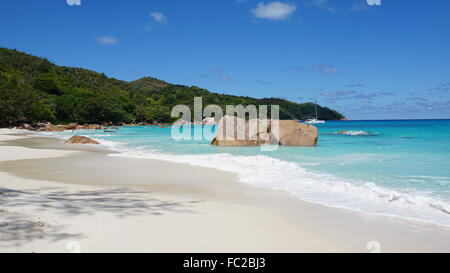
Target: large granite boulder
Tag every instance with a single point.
(40, 126)
(232, 131)
(93, 127)
(71, 126)
(293, 133)
(80, 140)
(52, 128)
(27, 126)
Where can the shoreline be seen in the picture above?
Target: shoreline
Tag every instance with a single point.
(248, 219)
(48, 141)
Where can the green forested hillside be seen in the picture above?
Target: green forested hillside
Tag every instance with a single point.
(33, 88)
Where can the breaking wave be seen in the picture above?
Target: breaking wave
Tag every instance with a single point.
(272, 173)
(353, 133)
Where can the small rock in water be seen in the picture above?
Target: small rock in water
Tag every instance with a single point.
(80, 140)
(3, 224)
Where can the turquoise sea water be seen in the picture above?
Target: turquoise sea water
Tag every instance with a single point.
(397, 168)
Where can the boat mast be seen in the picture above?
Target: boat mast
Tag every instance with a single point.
(316, 110)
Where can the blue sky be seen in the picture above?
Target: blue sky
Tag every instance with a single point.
(369, 62)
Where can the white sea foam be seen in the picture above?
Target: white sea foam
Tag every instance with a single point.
(100, 135)
(268, 172)
(49, 135)
(357, 133)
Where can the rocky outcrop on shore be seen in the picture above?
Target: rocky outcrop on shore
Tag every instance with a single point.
(233, 131)
(208, 121)
(205, 121)
(181, 122)
(71, 126)
(48, 127)
(80, 140)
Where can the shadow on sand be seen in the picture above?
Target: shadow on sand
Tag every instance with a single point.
(18, 228)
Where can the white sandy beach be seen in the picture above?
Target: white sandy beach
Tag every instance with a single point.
(59, 200)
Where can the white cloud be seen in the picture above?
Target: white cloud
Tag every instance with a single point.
(73, 2)
(321, 4)
(158, 17)
(354, 85)
(107, 40)
(274, 10)
(327, 69)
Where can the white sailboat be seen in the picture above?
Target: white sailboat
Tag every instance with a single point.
(315, 120)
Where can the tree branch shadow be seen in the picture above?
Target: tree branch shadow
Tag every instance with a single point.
(16, 228)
